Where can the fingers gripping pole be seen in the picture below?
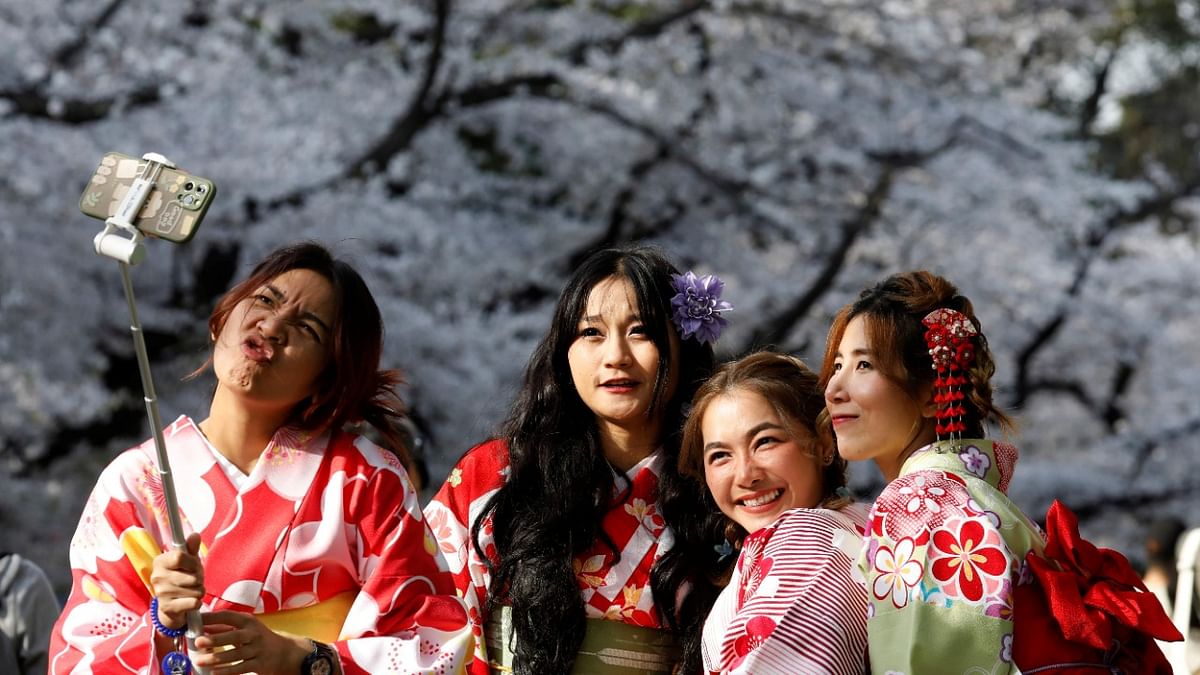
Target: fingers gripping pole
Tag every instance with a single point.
(131, 251)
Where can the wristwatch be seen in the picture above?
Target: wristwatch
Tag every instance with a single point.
(319, 661)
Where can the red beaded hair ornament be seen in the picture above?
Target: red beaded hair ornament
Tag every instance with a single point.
(949, 336)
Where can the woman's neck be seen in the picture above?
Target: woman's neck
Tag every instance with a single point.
(890, 466)
(624, 447)
(240, 433)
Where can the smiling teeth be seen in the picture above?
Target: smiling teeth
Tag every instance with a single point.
(765, 499)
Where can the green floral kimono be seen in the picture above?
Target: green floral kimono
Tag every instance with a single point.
(944, 548)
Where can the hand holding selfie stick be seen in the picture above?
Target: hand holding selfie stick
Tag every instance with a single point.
(130, 251)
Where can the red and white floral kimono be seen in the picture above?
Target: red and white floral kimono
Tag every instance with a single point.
(615, 592)
(324, 538)
(796, 603)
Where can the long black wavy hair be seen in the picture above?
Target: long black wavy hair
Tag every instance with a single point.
(560, 486)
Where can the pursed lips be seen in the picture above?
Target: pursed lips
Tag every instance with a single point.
(257, 349)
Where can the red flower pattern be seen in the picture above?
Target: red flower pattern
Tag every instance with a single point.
(758, 630)
(969, 559)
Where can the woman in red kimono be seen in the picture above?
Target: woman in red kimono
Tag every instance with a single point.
(572, 536)
(794, 604)
(306, 547)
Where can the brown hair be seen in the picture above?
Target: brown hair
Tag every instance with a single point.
(892, 311)
(352, 388)
(792, 390)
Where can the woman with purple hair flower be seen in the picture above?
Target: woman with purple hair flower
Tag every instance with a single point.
(572, 536)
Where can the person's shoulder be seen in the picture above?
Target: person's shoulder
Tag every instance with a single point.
(481, 470)
(17, 571)
(134, 459)
(924, 481)
(131, 464)
(490, 455)
(819, 522)
(358, 449)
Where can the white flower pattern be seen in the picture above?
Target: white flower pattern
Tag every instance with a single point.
(919, 495)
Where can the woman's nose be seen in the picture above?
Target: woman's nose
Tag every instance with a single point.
(616, 353)
(834, 392)
(273, 328)
(747, 472)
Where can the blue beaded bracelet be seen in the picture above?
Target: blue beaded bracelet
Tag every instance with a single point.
(158, 626)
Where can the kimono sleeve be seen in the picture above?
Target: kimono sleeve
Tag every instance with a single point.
(450, 514)
(801, 608)
(941, 596)
(407, 614)
(105, 625)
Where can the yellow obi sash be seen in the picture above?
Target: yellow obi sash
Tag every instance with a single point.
(609, 647)
(322, 622)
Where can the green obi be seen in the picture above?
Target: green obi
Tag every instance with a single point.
(609, 647)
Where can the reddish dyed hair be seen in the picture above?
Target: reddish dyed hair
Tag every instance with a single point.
(892, 311)
(352, 387)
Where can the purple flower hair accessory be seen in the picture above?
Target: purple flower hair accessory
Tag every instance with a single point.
(697, 306)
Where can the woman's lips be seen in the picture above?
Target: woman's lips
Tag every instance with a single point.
(256, 349)
(619, 386)
(762, 501)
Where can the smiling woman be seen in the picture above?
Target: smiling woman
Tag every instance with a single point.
(306, 552)
(792, 605)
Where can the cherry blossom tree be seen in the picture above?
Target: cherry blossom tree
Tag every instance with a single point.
(466, 155)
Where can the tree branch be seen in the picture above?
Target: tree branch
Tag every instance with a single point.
(775, 329)
(420, 109)
(66, 55)
(647, 29)
(1091, 247)
(32, 102)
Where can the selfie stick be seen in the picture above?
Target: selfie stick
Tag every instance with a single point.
(131, 251)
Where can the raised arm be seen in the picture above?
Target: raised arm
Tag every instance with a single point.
(105, 625)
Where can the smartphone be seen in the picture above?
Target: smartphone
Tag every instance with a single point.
(173, 209)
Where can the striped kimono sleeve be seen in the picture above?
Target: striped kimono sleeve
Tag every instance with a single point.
(794, 605)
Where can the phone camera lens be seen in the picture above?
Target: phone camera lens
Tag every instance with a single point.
(188, 186)
(201, 188)
(188, 200)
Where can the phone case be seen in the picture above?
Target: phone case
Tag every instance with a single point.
(173, 209)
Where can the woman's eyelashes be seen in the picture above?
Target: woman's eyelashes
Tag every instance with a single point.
(637, 330)
(307, 327)
(716, 457)
(764, 441)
